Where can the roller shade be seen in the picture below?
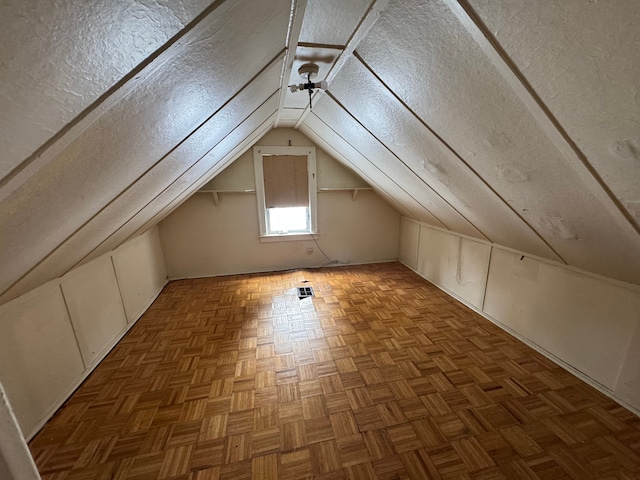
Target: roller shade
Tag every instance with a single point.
(286, 183)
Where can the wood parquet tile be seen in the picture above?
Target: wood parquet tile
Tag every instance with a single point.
(380, 375)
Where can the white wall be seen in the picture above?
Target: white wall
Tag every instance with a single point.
(587, 323)
(53, 336)
(201, 238)
(4, 468)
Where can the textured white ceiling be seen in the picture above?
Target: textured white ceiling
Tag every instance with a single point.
(516, 122)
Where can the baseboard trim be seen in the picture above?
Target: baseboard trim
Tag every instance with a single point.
(292, 269)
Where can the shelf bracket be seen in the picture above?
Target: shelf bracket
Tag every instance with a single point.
(216, 199)
(355, 194)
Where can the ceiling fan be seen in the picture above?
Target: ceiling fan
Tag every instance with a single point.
(309, 71)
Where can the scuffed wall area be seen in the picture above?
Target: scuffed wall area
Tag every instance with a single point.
(52, 337)
(586, 323)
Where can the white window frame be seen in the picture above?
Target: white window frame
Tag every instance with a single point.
(310, 153)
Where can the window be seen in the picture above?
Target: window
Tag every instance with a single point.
(283, 220)
(286, 191)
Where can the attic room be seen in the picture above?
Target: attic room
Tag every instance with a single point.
(470, 230)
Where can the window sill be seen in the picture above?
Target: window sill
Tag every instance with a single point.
(288, 237)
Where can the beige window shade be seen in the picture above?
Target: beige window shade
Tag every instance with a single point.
(286, 183)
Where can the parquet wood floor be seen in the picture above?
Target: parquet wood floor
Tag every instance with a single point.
(380, 375)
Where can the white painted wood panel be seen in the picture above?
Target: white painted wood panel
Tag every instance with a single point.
(457, 264)
(39, 355)
(95, 307)
(587, 323)
(140, 272)
(584, 321)
(409, 238)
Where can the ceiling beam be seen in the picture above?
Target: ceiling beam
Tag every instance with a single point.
(298, 8)
(361, 31)
(406, 167)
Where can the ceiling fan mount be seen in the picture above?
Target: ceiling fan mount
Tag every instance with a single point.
(309, 71)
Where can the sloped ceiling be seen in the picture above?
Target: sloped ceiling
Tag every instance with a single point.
(514, 122)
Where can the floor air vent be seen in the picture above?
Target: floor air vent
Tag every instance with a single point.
(304, 292)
